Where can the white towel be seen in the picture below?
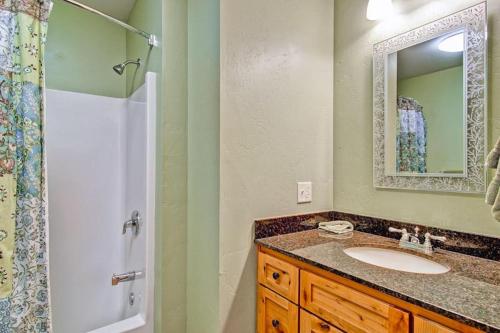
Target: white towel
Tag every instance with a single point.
(495, 210)
(493, 192)
(493, 156)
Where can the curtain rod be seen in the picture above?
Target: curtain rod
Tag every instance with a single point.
(152, 40)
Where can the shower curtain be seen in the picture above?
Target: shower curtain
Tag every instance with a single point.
(411, 145)
(24, 299)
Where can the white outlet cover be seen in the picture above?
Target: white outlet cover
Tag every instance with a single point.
(304, 192)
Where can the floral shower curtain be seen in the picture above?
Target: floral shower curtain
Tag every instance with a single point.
(411, 145)
(24, 301)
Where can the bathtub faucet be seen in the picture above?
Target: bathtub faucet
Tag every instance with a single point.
(130, 276)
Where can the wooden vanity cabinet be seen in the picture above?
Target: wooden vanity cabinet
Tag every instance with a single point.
(297, 297)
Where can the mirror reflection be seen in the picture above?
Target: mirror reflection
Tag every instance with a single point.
(425, 108)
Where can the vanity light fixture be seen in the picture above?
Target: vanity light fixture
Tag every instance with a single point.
(454, 43)
(379, 9)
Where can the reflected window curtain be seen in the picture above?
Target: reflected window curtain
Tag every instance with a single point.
(24, 298)
(411, 142)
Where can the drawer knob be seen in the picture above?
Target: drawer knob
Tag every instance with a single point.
(276, 323)
(276, 275)
(324, 326)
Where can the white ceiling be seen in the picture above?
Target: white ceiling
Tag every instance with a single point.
(426, 58)
(119, 9)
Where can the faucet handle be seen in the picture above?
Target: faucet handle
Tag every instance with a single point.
(134, 223)
(405, 236)
(401, 231)
(428, 236)
(428, 249)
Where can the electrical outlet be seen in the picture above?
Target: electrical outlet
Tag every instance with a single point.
(304, 192)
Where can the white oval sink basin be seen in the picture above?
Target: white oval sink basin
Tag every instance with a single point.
(397, 260)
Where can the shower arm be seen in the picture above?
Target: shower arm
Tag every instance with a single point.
(152, 39)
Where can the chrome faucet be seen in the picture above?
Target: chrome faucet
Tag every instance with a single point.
(414, 237)
(412, 241)
(130, 276)
(134, 223)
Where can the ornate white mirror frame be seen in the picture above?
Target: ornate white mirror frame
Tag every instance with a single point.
(474, 21)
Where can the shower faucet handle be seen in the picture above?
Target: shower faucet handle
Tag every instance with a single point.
(134, 223)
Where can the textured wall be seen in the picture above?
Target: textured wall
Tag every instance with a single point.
(203, 167)
(147, 16)
(352, 158)
(81, 51)
(276, 129)
(168, 21)
(171, 260)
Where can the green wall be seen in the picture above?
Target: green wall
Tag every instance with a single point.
(171, 229)
(147, 16)
(81, 51)
(168, 21)
(441, 95)
(353, 119)
(203, 166)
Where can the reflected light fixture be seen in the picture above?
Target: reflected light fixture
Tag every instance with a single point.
(379, 9)
(454, 43)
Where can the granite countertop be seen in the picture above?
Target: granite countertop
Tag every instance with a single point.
(469, 292)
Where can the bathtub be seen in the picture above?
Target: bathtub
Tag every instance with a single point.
(101, 167)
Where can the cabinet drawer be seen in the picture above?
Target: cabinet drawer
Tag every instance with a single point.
(312, 324)
(275, 314)
(424, 325)
(279, 276)
(348, 309)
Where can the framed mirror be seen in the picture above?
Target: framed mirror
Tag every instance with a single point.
(430, 106)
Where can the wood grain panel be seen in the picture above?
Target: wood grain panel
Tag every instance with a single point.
(423, 325)
(348, 309)
(275, 314)
(312, 324)
(279, 276)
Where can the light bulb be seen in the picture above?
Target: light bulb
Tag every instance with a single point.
(379, 9)
(453, 43)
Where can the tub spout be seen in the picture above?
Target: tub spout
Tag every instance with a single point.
(119, 278)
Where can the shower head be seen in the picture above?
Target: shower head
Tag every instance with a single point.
(120, 68)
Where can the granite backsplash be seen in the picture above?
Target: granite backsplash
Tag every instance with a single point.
(470, 244)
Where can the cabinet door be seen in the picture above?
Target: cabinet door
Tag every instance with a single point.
(279, 276)
(423, 325)
(349, 309)
(312, 324)
(275, 314)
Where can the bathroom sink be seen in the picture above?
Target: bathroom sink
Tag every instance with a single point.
(396, 260)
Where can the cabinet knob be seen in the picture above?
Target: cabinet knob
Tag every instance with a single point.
(324, 326)
(275, 323)
(276, 275)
